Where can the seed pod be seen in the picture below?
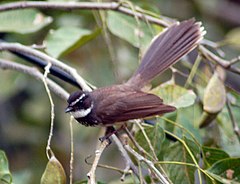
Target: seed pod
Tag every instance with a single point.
(214, 97)
(215, 94)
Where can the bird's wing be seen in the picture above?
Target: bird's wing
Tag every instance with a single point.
(130, 105)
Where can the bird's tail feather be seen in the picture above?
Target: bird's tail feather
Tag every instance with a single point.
(166, 49)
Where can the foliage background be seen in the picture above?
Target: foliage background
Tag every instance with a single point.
(24, 105)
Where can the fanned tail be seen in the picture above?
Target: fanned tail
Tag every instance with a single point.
(166, 49)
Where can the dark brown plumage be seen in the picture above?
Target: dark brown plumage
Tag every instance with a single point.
(118, 103)
(166, 49)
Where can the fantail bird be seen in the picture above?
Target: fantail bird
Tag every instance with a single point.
(118, 103)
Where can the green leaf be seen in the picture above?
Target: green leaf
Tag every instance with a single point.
(156, 136)
(23, 21)
(54, 173)
(127, 28)
(233, 37)
(188, 117)
(181, 174)
(226, 171)
(175, 95)
(225, 120)
(229, 142)
(5, 175)
(212, 155)
(66, 39)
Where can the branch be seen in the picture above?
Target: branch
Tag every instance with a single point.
(147, 139)
(57, 72)
(150, 164)
(8, 65)
(233, 120)
(16, 47)
(83, 6)
(91, 174)
(135, 143)
(125, 155)
(115, 6)
(220, 61)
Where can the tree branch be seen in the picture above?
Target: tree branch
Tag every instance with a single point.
(91, 174)
(125, 155)
(83, 6)
(8, 65)
(150, 164)
(16, 47)
(220, 61)
(57, 72)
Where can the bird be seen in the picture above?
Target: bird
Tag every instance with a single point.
(111, 105)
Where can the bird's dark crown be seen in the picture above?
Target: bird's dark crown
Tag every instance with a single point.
(75, 96)
(79, 100)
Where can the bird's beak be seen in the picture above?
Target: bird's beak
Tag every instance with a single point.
(68, 109)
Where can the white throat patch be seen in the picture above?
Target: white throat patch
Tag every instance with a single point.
(82, 113)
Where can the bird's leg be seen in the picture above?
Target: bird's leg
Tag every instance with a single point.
(110, 130)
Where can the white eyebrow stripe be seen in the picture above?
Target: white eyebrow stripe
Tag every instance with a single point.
(78, 99)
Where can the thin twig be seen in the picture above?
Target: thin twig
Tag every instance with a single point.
(9, 65)
(107, 166)
(102, 22)
(212, 57)
(147, 139)
(193, 72)
(235, 60)
(72, 151)
(140, 172)
(220, 61)
(214, 45)
(189, 152)
(48, 147)
(91, 174)
(151, 147)
(82, 6)
(136, 143)
(176, 71)
(125, 171)
(233, 120)
(150, 164)
(125, 155)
